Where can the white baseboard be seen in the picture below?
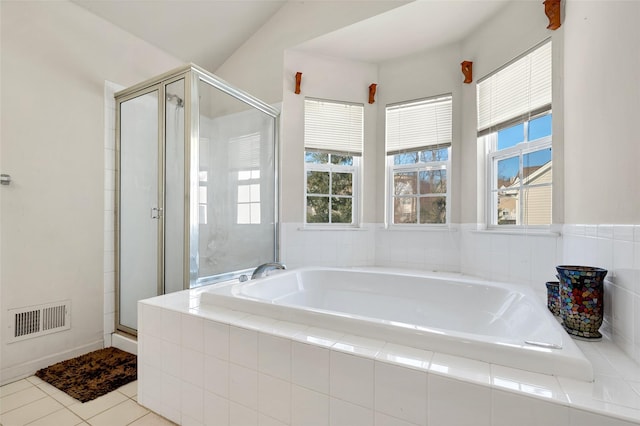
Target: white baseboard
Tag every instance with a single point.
(125, 343)
(17, 372)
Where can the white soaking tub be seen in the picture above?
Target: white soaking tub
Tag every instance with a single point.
(448, 313)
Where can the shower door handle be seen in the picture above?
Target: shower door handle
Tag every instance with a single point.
(156, 212)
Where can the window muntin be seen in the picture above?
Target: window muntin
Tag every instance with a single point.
(333, 140)
(418, 146)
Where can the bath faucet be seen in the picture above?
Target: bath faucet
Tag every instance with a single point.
(261, 271)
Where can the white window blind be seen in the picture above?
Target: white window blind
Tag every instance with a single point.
(515, 92)
(419, 124)
(244, 152)
(333, 126)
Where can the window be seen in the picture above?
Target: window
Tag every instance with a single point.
(333, 145)
(514, 124)
(244, 163)
(418, 145)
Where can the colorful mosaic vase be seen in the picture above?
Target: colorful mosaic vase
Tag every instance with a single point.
(553, 297)
(581, 300)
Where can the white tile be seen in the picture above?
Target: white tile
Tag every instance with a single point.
(604, 388)
(216, 339)
(30, 412)
(309, 408)
(342, 413)
(461, 368)
(533, 384)
(151, 419)
(274, 356)
(241, 415)
(91, 408)
(192, 367)
(243, 347)
(216, 410)
(20, 398)
(264, 420)
(381, 419)
(192, 332)
(401, 392)
(452, 402)
(120, 415)
(310, 367)
(15, 387)
(130, 389)
(170, 397)
(351, 378)
(405, 356)
(243, 386)
(151, 318)
(171, 362)
(510, 409)
(585, 418)
(216, 376)
(192, 402)
(319, 336)
(62, 417)
(274, 397)
(55, 393)
(171, 325)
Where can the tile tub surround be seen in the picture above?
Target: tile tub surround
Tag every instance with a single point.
(217, 366)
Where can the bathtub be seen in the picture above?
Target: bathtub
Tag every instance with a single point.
(449, 313)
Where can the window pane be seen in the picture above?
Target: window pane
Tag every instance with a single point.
(341, 210)
(317, 182)
(317, 209)
(508, 172)
(433, 181)
(244, 194)
(537, 205)
(405, 183)
(433, 209)
(244, 214)
(404, 210)
(255, 192)
(406, 158)
(508, 207)
(342, 184)
(316, 157)
(540, 127)
(255, 213)
(441, 154)
(536, 167)
(510, 136)
(342, 160)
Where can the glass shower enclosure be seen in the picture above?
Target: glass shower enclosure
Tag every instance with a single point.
(196, 196)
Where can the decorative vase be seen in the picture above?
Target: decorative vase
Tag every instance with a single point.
(553, 297)
(581, 300)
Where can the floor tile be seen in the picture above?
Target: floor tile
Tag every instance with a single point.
(14, 387)
(152, 419)
(62, 417)
(20, 398)
(120, 415)
(30, 412)
(130, 389)
(89, 409)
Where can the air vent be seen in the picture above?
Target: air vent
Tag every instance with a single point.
(34, 321)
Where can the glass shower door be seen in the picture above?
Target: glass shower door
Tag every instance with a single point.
(139, 212)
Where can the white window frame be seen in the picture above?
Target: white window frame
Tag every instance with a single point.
(418, 167)
(519, 150)
(354, 169)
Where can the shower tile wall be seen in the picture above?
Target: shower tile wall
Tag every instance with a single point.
(109, 208)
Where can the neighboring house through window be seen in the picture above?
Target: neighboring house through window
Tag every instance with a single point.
(418, 146)
(333, 139)
(514, 124)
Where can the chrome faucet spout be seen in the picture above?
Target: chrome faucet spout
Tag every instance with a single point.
(262, 270)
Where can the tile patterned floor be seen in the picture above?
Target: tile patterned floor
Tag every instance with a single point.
(34, 402)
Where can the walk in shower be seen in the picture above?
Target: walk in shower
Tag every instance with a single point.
(196, 179)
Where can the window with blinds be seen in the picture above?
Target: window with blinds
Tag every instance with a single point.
(333, 140)
(418, 145)
(515, 124)
(515, 92)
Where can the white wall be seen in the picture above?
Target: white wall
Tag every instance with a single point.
(55, 59)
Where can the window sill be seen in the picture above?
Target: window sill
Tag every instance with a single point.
(519, 231)
(421, 228)
(332, 228)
